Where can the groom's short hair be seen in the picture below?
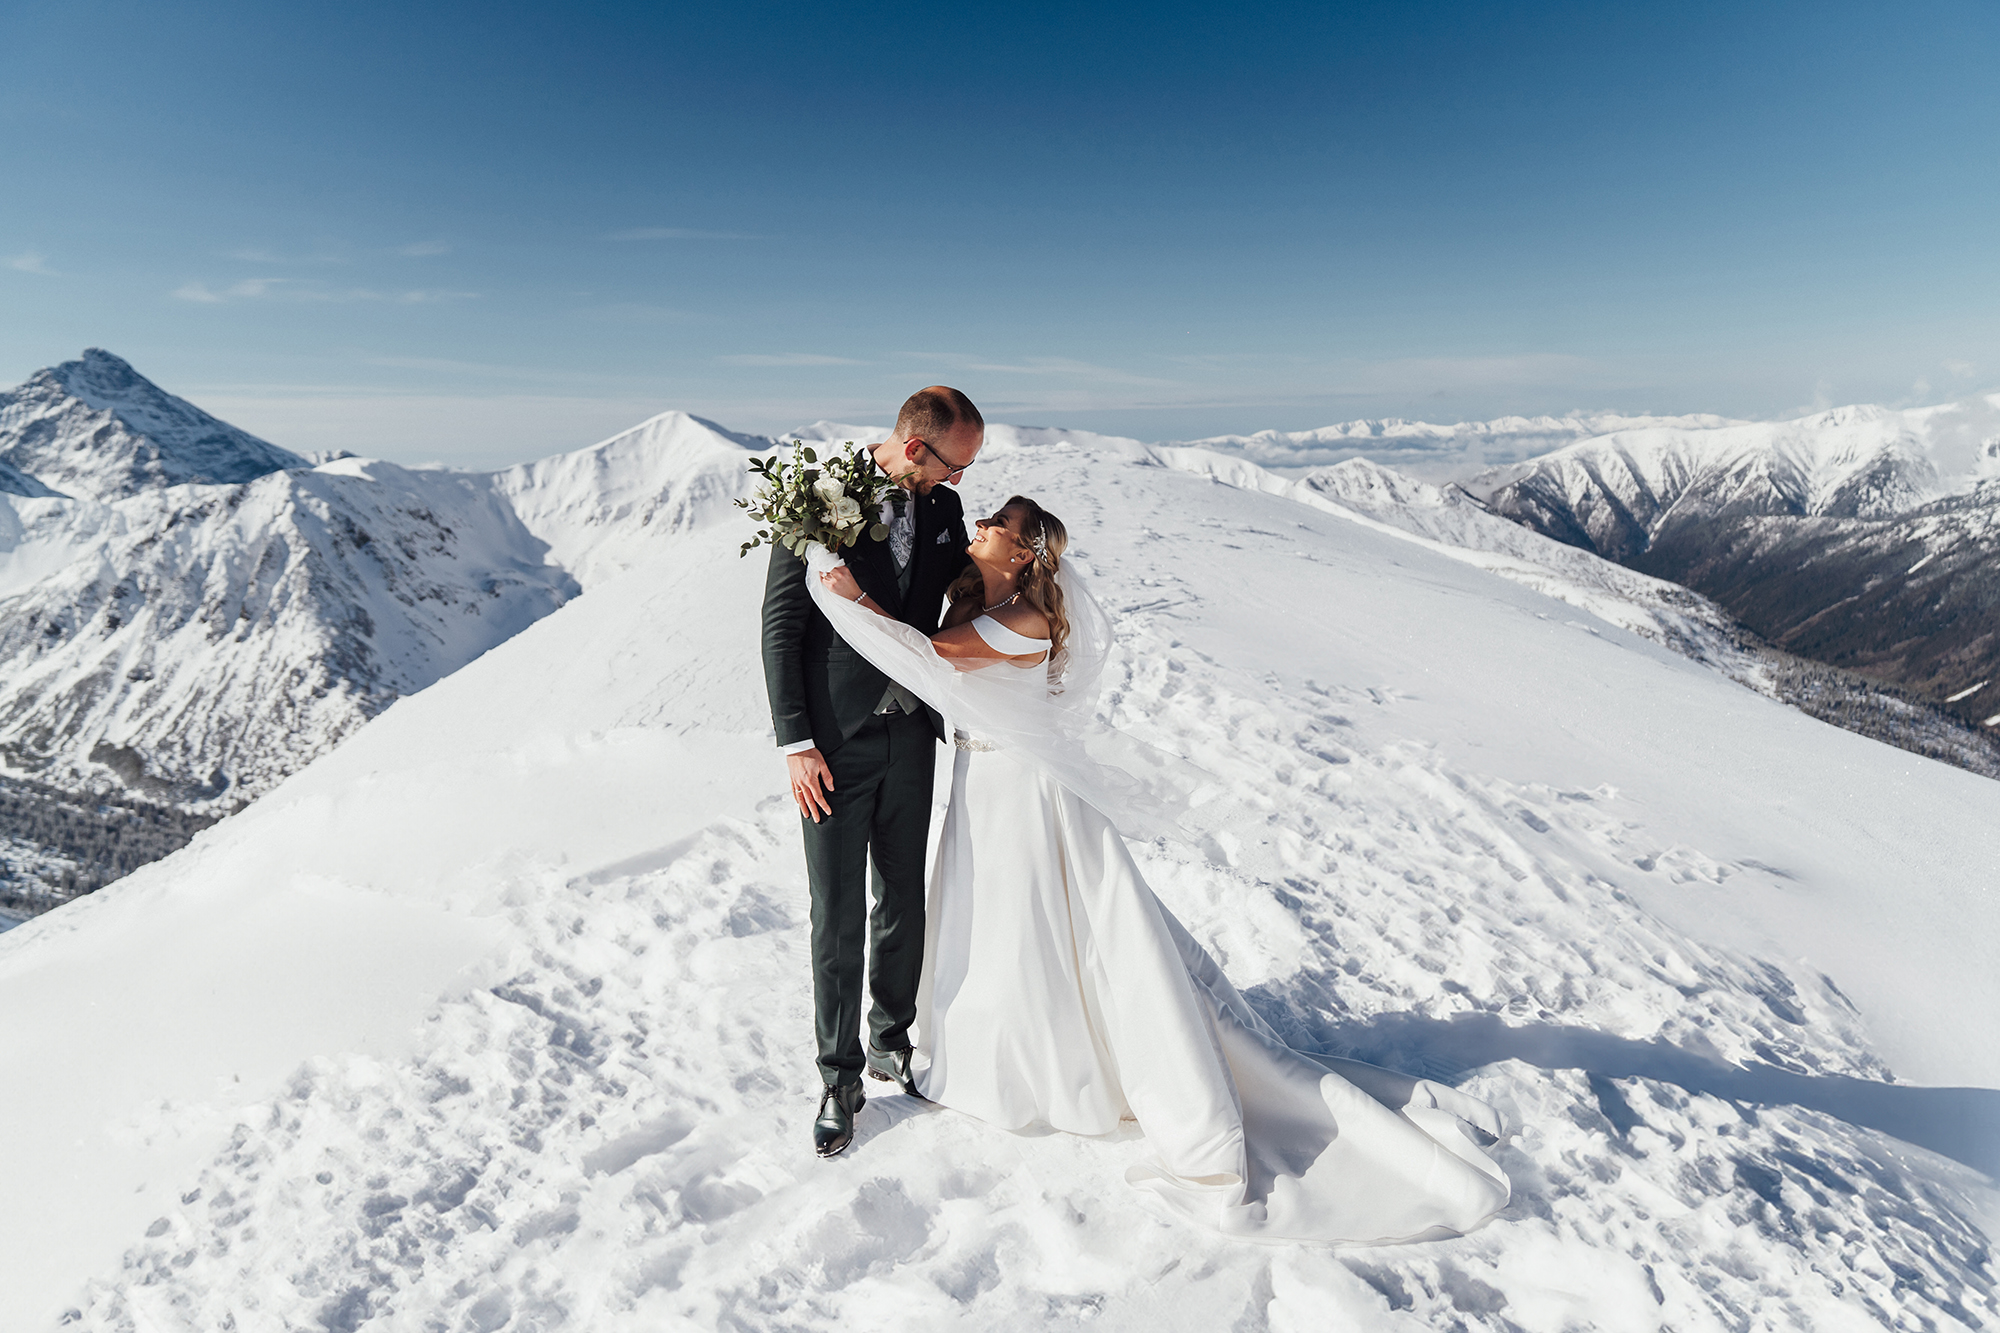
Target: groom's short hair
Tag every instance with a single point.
(933, 413)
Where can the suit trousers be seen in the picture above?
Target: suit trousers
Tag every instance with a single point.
(881, 803)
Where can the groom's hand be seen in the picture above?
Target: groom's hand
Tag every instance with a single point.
(808, 769)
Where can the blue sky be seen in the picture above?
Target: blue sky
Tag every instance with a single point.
(483, 233)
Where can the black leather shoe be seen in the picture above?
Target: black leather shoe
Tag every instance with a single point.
(834, 1129)
(893, 1067)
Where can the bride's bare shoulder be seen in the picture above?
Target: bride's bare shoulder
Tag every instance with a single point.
(959, 613)
(1023, 619)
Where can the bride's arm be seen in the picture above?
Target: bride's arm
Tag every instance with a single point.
(958, 644)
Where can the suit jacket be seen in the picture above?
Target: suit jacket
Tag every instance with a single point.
(820, 688)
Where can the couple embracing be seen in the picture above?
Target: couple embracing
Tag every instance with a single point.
(1036, 981)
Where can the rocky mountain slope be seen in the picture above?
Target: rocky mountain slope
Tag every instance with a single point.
(1863, 538)
(96, 429)
(202, 642)
(188, 614)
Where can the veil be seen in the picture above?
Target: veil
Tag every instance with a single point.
(1142, 790)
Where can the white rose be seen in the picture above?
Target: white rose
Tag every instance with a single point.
(830, 490)
(846, 511)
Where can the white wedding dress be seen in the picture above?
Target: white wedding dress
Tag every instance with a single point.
(1057, 991)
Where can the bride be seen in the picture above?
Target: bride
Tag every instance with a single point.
(1058, 991)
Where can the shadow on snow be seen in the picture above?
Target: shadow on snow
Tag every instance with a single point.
(1960, 1123)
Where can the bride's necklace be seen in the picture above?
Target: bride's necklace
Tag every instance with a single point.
(1004, 601)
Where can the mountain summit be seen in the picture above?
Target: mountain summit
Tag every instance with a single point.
(96, 429)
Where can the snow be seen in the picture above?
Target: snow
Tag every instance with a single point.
(227, 635)
(497, 1015)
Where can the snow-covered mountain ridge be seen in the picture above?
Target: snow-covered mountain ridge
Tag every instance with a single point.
(1863, 537)
(1425, 448)
(1616, 493)
(194, 614)
(498, 1016)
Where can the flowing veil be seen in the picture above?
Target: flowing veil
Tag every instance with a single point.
(1142, 790)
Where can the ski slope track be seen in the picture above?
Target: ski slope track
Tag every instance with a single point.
(496, 1017)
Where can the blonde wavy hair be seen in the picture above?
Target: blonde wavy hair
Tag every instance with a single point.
(1043, 534)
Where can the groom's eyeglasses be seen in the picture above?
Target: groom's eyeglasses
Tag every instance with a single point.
(957, 470)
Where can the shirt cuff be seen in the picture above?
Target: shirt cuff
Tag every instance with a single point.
(800, 747)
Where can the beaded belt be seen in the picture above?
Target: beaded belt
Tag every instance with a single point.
(965, 742)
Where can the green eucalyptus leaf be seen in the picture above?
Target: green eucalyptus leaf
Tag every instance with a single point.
(879, 532)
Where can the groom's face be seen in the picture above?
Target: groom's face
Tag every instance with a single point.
(944, 459)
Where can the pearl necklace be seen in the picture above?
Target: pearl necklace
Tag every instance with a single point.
(1002, 602)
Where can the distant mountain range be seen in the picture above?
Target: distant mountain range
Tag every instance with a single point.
(1864, 538)
(189, 614)
(1433, 451)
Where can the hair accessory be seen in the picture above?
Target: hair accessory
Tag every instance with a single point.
(1041, 544)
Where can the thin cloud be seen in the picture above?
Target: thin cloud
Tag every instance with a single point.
(32, 261)
(440, 363)
(637, 312)
(261, 255)
(788, 359)
(1961, 369)
(1064, 367)
(450, 366)
(677, 234)
(422, 296)
(304, 289)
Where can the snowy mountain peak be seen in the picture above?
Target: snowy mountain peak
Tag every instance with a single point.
(97, 429)
(602, 508)
(104, 380)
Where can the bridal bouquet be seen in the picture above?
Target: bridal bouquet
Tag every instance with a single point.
(806, 501)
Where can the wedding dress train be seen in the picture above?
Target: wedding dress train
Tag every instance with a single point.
(1058, 991)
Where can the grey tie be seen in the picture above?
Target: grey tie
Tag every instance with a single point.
(902, 545)
(902, 529)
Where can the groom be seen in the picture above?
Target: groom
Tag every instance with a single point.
(861, 751)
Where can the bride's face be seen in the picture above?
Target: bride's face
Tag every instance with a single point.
(998, 541)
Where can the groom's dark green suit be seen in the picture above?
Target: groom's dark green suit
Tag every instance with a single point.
(882, 764)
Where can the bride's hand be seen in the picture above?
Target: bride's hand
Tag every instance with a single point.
(840, 582)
